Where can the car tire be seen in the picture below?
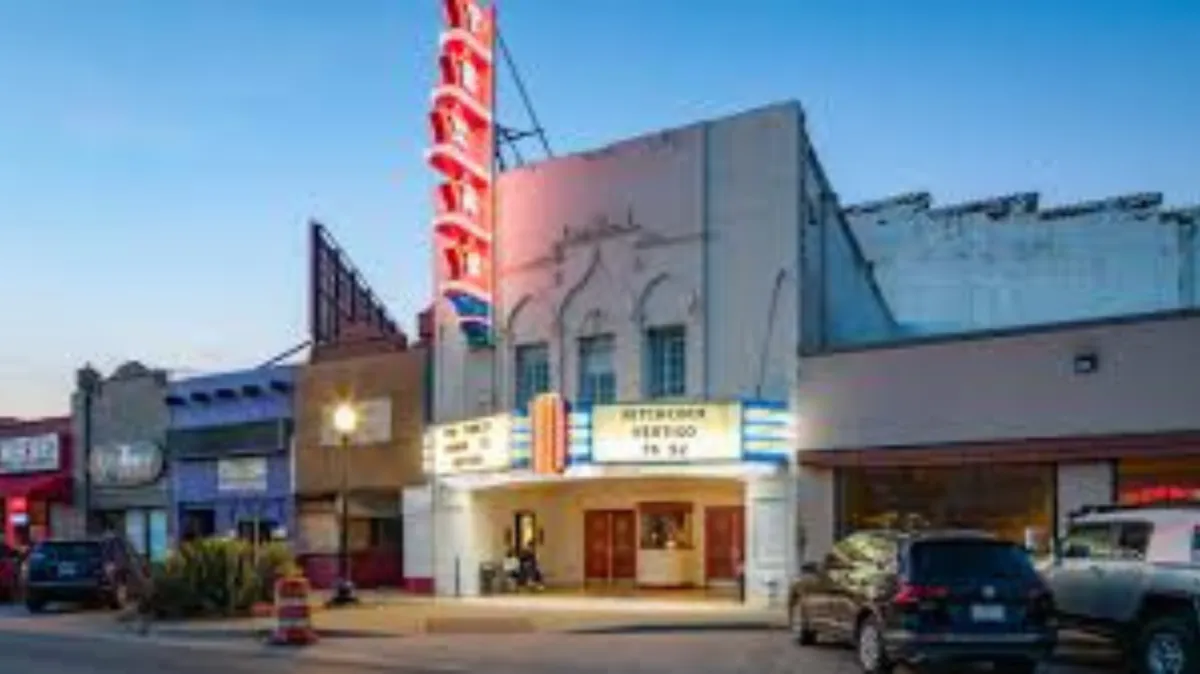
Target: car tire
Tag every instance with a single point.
(34, 604)
(802, 633)
(869, 647)
(1170, 642)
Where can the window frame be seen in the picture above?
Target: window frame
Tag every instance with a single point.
(521, 369)
(585, 387)
(658, 343)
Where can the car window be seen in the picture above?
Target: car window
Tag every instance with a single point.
(66, 551)
(1093, 540)
(1133, 539)
(962, 559)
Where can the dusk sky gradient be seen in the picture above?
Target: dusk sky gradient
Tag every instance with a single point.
(159, 158)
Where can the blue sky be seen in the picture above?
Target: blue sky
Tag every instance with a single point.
(158, 160)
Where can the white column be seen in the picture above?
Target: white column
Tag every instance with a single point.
(815, 512)
(1082, 484)
(417, 506)
(770, 539)
(456, 559)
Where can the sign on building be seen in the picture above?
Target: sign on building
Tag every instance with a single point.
(475, 446)
(242, 474)
(33, 454)
(666, 433)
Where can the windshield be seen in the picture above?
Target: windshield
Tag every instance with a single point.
(962, 559)
(66, 551)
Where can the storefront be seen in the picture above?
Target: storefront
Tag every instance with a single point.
(35, 480)
(1010, 432)
(369, 466)
(130, 495)
(123, 481)
(229, 444)
(655, 496)
(1016, 501)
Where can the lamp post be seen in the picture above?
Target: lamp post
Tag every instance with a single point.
(345, 422)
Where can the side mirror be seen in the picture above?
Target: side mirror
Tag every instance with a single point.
(810, 568)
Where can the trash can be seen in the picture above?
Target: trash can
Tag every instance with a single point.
(489, 576)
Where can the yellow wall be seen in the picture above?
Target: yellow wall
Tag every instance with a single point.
(560, 511)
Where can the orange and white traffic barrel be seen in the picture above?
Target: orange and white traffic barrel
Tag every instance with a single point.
(293, 615)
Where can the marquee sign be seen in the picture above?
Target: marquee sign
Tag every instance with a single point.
(463, 155)
(475, 446)
(666, 433)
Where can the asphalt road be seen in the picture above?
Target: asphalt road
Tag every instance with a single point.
(758, 652)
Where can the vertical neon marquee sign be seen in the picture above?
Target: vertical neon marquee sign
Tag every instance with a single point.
(463, 154)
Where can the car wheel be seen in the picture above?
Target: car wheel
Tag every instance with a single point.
(872, 657)
(119, 597)
(1167, 646)
(798, 622)
(34, 604)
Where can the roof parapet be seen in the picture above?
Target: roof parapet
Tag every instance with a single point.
(1021, 203)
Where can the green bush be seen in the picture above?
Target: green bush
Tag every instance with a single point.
(219, 578)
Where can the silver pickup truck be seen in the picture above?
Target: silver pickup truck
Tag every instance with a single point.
(1132, 575)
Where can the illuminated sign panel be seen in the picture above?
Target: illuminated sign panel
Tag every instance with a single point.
(463, 154)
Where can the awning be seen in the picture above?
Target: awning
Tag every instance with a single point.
(41, 486)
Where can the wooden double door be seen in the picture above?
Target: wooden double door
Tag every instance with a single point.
(724, 541)
(609, 545)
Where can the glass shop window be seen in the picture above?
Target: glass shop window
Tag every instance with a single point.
(666, 526)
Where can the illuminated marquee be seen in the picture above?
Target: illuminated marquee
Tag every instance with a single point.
(463, 154)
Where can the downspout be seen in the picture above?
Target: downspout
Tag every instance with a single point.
(706, 242)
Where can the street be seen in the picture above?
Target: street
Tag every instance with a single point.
(56, 645)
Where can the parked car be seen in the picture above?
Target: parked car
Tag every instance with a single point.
(91, 571)
(1132, 575)
(10, 564)
(927, 598)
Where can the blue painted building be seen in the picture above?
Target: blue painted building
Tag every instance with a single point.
(229, 445)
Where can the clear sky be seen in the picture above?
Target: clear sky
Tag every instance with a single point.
(159, 158)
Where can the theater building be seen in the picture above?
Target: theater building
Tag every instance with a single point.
(36, 483)
(654, 285)
(1009, 431)
(230, 454)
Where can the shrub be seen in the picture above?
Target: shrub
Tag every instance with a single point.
(219, 577)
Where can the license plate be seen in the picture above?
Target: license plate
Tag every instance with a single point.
(987, 613)
(66, 569)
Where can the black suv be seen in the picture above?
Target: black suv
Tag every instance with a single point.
(927, 598)
(91, 571)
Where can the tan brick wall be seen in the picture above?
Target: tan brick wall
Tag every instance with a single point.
(397, 376)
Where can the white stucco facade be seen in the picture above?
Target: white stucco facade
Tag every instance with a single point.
(1008, 261)
(728, 229)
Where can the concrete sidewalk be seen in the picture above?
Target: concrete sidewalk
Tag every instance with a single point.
(394, 614)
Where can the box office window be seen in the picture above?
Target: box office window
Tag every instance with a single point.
(1008, 500)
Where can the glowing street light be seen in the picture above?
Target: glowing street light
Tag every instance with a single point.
(345, 422)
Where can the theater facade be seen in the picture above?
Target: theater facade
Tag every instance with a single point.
(621, 497)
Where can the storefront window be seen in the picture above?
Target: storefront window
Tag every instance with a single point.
(1009, 500)
(1143, 481)
(666, 526)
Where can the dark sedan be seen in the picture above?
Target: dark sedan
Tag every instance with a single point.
(927, 599)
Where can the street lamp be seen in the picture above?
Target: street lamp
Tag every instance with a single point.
(345, 422)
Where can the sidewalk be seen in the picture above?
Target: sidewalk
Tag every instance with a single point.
(384, 614)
